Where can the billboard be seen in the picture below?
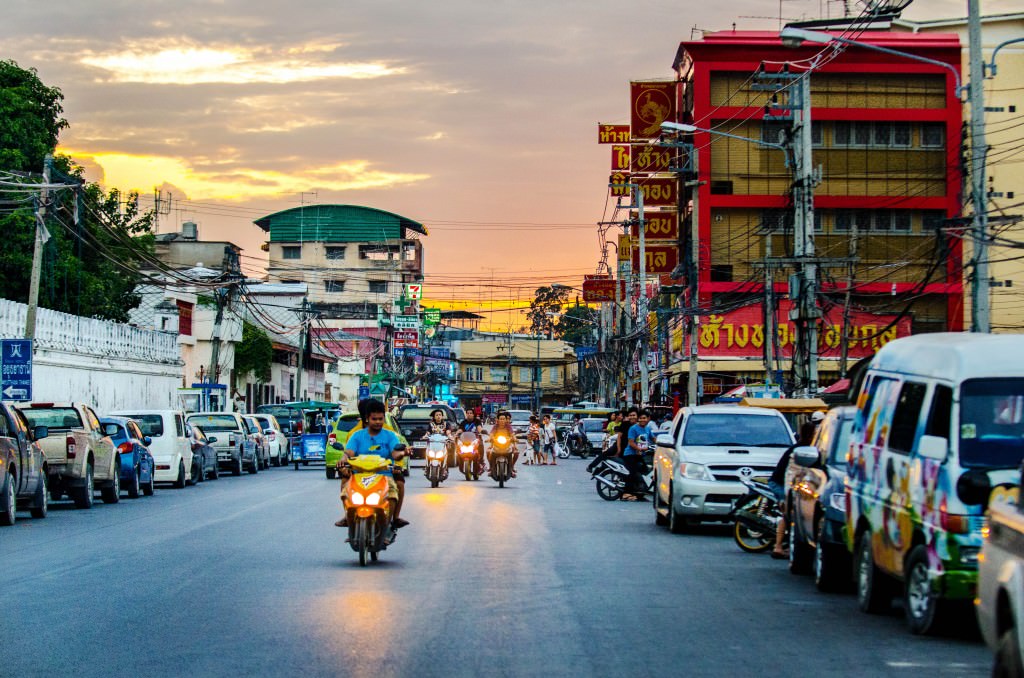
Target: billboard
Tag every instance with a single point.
(618, 182)
(651, 103)
(660, 258)
(620, 158)
(602, 290)
(406, 339)
(647, 159)
(612, 134)
(658, 225)
(659, 191)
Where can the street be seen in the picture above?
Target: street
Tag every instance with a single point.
(248, 576)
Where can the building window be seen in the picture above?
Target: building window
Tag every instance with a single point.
(818, 220)
(901, 134)
(933, 135)
(842, 222)
(553, 376)
(524, 374)
(861, 134)
(841, 134)
(335, 252)
(721, 187)
(291, 252)
(817, 134)
(474, 374)
(290, 282)
(378, 286)
(882, 134)
(932, 220)
(721, 273)
(776, 221)
(883, 220)
(774, 131)
(334, 286)
(184, 318)
(901, 221)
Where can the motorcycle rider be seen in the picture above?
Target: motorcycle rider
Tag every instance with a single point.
(618, 427)
(503, 425)
(471, 425)
(375, 439)
(777, 483)
(639, 438)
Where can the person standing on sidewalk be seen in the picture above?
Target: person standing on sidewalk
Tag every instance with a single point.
(548, 437)
(533, 455)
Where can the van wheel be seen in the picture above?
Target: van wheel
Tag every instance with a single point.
(923, 607)
(180, 482)
(874, 593)
(1008, 658)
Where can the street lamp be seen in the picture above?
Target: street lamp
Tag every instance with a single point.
(690, 129)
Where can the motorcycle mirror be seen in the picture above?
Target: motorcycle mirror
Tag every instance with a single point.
(806, 456)
(400, 447)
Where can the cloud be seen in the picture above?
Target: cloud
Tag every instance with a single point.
(436, 136)
(142, 172)
(188, 64)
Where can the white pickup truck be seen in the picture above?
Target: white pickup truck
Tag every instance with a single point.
(1000, 599)
(79, 456)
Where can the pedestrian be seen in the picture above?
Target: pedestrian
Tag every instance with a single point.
(548, 437)
(533, 455)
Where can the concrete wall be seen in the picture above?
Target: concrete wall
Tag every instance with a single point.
(108, 365)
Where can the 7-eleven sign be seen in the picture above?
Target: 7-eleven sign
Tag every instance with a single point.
(414, 291)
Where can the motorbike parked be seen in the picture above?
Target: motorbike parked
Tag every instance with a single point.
(757, 515)
(436, 467)
(502, 448)
(611, 478)
(469, 455)
(368, 508)
(573, 444)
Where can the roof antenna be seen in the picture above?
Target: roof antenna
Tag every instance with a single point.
(733, 26)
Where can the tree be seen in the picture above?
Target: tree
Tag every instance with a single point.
(30, 119)
(253, 355)
(547, 300)
(578, 325)
(89, 268)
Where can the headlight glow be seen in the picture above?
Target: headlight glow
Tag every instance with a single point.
(466, 449)
(357, 499)
(373, 499)
(501, 440)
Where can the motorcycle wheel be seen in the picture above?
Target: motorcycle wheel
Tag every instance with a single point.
(750, 540)
(607, 492)
(363, 540)
(434, 483)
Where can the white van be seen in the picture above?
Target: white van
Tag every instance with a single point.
(171, 449)
(939, 429)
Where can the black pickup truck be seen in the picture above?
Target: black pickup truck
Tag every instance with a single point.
(22, 467)
(414, 420)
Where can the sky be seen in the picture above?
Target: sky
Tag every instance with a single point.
(477, 118)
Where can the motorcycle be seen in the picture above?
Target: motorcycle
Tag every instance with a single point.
(469, 455)
(757, 515)
(611, 478)
(501, 468)
(436, 467)
(573, 445)
(368, 508)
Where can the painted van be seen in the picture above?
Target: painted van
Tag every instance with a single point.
(939, 430)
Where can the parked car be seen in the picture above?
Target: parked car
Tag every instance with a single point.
(348, 423)
(204, 455)
(698, 465)
(1000, 599)
(170, 447)
(236, 450)
(413, 422)
(79, 457)
(817, 503)
(260, 438)
(520, 422)
(289, 417)
(940, 423)
(22, 465)
(276, 439)
(138, 468)
(593, 428)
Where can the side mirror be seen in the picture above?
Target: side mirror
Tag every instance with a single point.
(806, 456)
(211, 439)
(40, 432)
(338, 446)
(110, 429)
(933, 447)
(268, 431)
(398, 447)
(665, 440)
(147, 441)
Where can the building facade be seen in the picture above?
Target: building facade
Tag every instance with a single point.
(514, 372)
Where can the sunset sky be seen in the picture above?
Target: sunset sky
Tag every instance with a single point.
(477, 118)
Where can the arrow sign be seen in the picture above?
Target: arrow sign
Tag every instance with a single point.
(16, 369)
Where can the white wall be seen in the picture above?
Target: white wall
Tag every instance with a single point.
(108, 365)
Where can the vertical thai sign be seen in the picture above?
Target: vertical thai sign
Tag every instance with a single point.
(651, 103)
(618, 182)
(620, 158)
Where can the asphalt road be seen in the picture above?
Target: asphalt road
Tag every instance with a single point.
(248, 576)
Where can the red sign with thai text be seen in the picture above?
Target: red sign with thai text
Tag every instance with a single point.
(660, 258)
(647, 159)
(740, 333)
(660, 191)
(618, 182)
(657, 225)
(602, 290)
(620, 158)
(613, 134)
(652, 103)
(406, 338)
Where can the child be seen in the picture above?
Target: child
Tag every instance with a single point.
(533, 442)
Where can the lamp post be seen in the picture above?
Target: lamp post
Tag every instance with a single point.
(980, 292)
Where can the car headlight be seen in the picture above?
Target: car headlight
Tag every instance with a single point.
(694, 471)
(358, 499)
(838, 501)
(373, 499)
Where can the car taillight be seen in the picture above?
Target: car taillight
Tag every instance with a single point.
(70, 442)
(124, 448)
(332, 438)
(953, 523)
(298, 427)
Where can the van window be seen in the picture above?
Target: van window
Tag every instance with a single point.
(151, 424)
(942, 408)
(878, 410)
(992, 423)
(179, 425)
(906, 416)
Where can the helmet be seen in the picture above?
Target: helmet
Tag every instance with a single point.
(818, 417)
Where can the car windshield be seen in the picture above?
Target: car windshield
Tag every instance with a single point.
(152, 425)
(520, 416)
(346, 424)
(992, 423)
(53, 417)
(283, 414)
(727, 428)
(213, 422)
(417, 413)
(838, 455)
(593, 425)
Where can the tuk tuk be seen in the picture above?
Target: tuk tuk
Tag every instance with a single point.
(316, 425)
(795, 410)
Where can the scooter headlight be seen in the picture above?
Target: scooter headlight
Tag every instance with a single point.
(435, 454)
(373, 499)
(466, 449)
(358, 499)
(501, 440)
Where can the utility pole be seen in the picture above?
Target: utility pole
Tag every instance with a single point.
(980, 299)
(692, 392)
(37, 251)
(844, 346)
(304, 315)
(806, 312)
(769, 309)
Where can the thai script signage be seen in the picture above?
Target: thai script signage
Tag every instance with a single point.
(406, 339)
(620, 158)
(618, 182)
(660, 191)
(652, 103)
(647, 159)
(740, 333)
(657, 225)
(597, 290)
(613, 134)
(660, 258)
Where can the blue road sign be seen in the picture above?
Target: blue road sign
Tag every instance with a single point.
(364, 392)
(585, 351)
(16, 369)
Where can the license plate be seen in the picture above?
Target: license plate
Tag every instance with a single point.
(422, 445)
